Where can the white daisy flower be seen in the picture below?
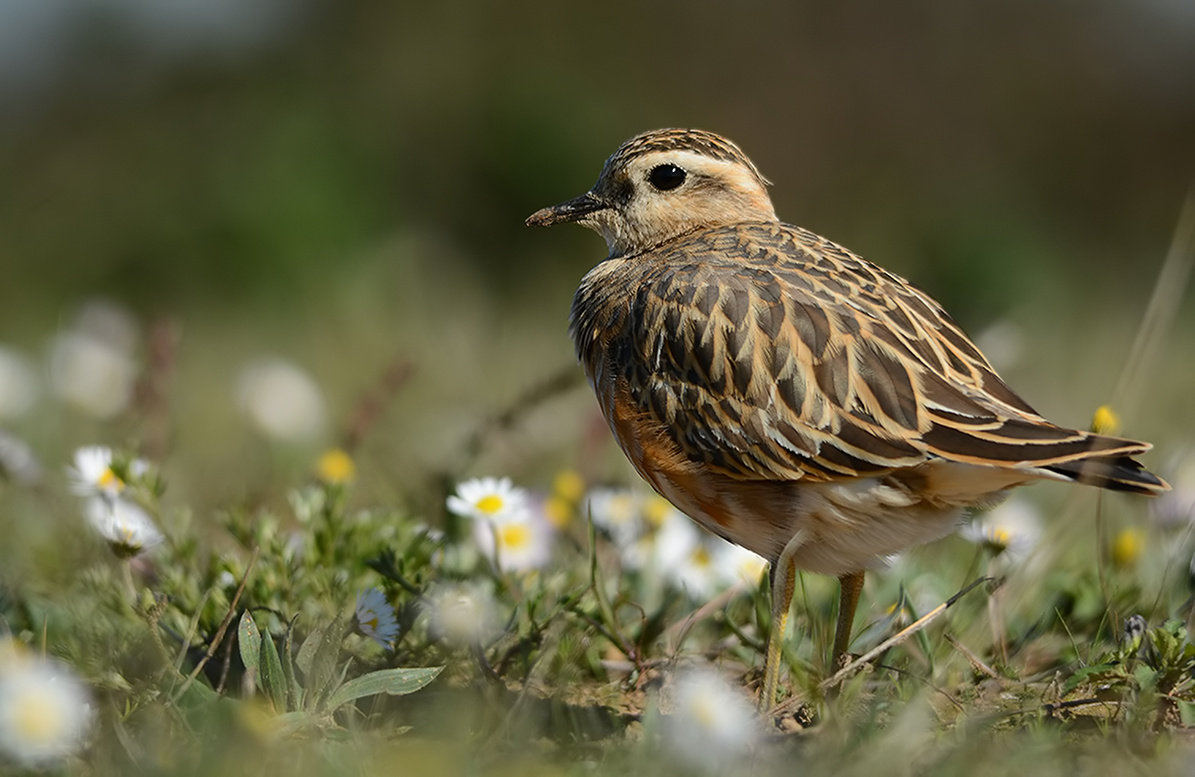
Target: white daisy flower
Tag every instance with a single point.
(688, 559)
(711, 725)
(663, 534)
(92, 366)
(44, 711)
(281, 400)
(618, 512)
(518, 540)
(488, 498)
(17, 461)
(1013, 529)
(19, 385)
(92, 473)
(1177, 507)
(127, 527)
(375, 617)
(460, 614)
(736, 564)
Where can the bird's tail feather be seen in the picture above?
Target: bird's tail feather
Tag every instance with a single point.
(1115, 473)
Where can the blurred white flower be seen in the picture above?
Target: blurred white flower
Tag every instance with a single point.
(126, 527)
(17, 461)
(92, 473)
(460, 614)
(488, 498)
(90, 375)
(519, 541)
(44, 710)
(92, 366)
(18, 383)
(618, 512)
(652, 534)
(281, 400)
(736, 564)
(1176, 507)
(1011, 529)
(375, 617)
(682, 553)
(1003, 342)
(712, 724)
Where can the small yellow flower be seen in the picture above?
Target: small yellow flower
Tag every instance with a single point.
(1105, 421)
(569, 486)
(1127, 546)
(336, 468)
(559, 511)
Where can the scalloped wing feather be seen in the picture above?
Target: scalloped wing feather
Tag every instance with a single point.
(773, 354)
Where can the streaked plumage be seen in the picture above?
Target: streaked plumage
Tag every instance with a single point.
(780, 390)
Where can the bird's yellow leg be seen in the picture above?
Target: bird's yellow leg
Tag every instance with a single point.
(850, 585)
(784, 579)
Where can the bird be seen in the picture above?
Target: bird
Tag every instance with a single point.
(787, 394)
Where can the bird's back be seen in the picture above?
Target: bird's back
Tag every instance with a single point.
(768, 353)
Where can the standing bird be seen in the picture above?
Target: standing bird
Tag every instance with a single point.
(785, 393)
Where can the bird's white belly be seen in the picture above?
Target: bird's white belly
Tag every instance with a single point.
(848, 526)
(854, 526)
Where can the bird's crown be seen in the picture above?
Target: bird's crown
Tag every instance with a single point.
(697, 141)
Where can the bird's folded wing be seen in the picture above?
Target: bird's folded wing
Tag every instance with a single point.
(772, 353)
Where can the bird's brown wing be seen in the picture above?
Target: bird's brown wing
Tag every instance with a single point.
(773, 353)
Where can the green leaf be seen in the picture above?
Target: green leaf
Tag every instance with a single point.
(1186, 712)
(272, 677)
(249, 641)
(1146, 677)
(306, 656)
(198, 695)
(290, 722)
(323, 662)
(294, 693)
(395, 682)
(1085, 673)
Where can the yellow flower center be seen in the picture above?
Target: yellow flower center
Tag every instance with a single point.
(371, 623)
(656, 510)
(336, 467)
(490, 504)
(701, 557)
(109, 479)
(37, 718)
(569, 486)
(705, 712)
(999, 536)
(515, 535)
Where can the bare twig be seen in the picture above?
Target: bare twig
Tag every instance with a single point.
(216, 640)
(904, 634)
(552, 386)
(975, 660)
(371, 404)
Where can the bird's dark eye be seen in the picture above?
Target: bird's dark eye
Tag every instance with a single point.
(666, 177)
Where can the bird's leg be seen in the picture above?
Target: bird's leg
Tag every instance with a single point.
(850, 584)
(784, 581)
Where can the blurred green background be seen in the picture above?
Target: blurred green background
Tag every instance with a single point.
(343, 185)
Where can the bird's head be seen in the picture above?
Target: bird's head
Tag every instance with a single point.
(662, 184)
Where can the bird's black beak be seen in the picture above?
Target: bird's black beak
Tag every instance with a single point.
(573, 210)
